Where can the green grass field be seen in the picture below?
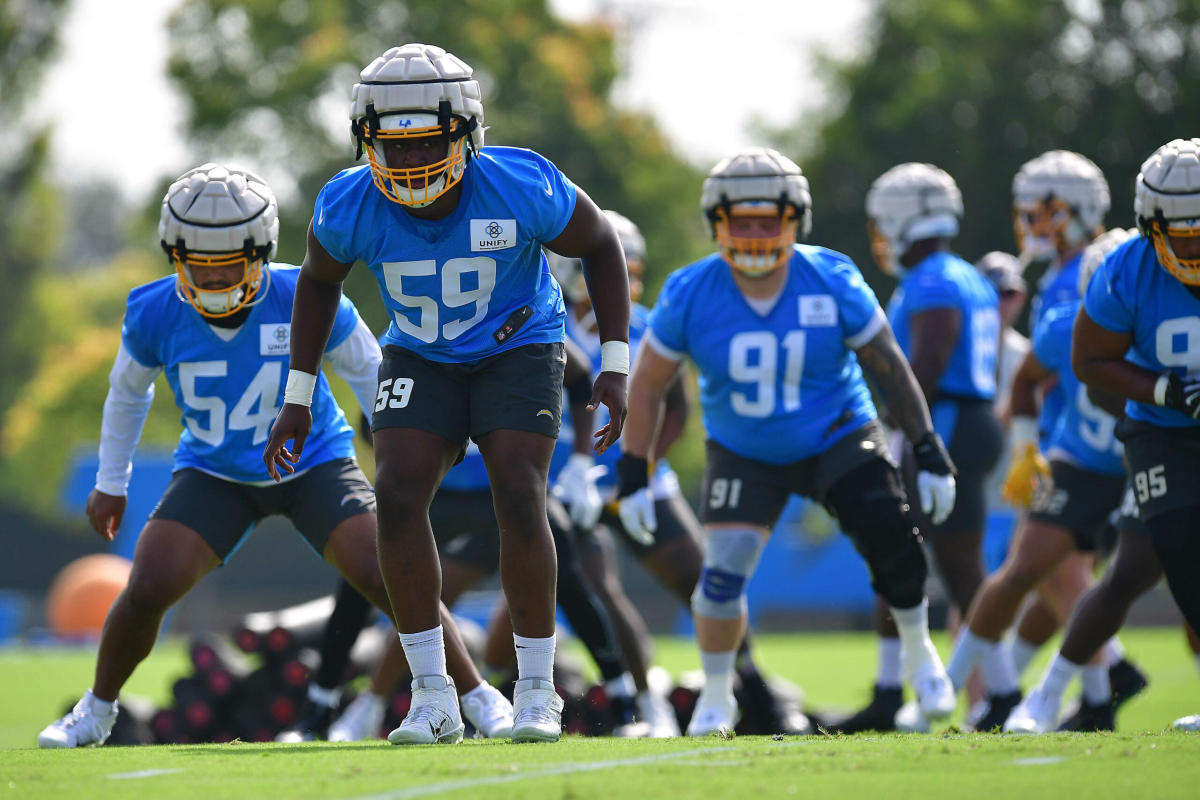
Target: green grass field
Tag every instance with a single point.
(1142, 760)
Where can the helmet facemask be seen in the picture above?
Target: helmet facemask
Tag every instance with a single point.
(249, 290)
(415, 187)
(1163, 234)
(755, 256)
(1047, 228)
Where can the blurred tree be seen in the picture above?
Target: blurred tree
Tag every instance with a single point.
(28, 39)
(978, 87)
(270, 83)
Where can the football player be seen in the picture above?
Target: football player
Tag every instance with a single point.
(1138, 337)
(946, 319)
(453, 233)
(219, 330)
(778, 331)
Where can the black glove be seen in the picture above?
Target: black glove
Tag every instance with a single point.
(633, 473)
(1183, 394)
(931, 456)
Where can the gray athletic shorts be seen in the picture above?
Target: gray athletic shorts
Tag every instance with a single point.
(224, 512)
(1164, 466)
(1079, 500)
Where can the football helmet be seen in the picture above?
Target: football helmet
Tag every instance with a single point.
(908, 203)
(1059, 201)
(754, 183)
(214, 216)
(1166, 201)
(1095, 253)
(417, 92)
(634, 246)
(569, 274)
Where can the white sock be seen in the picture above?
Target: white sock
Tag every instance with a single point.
(1096, 689)
(913, 626)
(1113, 651)
(426, 652)
(718, 672)
(1021, 652)
(620, 686)
(968, 652)
(1058, 675)
(888, 675)
(479, 692)
(998, 672)
(535, 657)
(324, 697)
(101, 708)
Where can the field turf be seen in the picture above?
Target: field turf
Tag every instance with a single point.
(1142, 760)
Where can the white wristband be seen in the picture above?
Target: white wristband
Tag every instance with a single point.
(299, 389)
(1160, 390)
(1024, 431)
(614, 357)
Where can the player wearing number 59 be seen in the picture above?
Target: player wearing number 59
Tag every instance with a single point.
(218, 329)
(1138, 336)
(778, 331)
(453, 232)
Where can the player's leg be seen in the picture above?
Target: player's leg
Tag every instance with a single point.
(1036, 625)
(198, 522)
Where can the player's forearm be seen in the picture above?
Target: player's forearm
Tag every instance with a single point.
(1118, 377)
(130, 395)
(608, 286)
(674, 417)
(313, 313)
(642, 424)
(885, 363)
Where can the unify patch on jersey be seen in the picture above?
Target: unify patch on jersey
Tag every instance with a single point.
(493, 234)
(818, 310)
(275, 339)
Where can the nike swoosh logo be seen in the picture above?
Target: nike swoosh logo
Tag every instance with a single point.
(549, 189)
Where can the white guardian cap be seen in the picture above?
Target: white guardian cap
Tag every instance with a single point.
(906, 204)
(417, 91)
(1166, 201)
(1067, 188)
(1095, 253)
(214, 216)
(755, 183)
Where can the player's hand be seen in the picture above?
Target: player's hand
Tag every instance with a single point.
(935, 477)
(576, 489)
(1027, 470)
(636, 512)
(293, 423)
(105, 512)
(609, 389)
(1183, 394)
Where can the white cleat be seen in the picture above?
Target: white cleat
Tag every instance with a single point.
(935, 692)
(1188, 723)
(909, 719)
(1036, 714)
(717, 715)
(489, 711)
(433, 717)
(537, 711)
(658, 715)
(361, 720)
(88, 723)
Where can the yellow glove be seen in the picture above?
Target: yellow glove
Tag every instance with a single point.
(1027, 469)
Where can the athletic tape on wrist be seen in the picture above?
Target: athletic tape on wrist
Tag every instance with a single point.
(1024, 431)
(614, 357)
(299, 389)
(1160, 389)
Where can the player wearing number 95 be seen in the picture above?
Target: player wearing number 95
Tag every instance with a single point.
(778, 331)
(219, 331)
(1138, 336)
(453, 232)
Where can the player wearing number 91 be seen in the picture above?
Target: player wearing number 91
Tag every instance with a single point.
(1138, 336)
(778, 331)
(453, 232)
(219, 331)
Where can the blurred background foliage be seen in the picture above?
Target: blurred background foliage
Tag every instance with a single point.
(975, 86)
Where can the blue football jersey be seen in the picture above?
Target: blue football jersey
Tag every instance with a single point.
(1084, 434)
(230, 392)
(943, 280)
(1131, 293)
(1057, 286)
(782, 386)
(450, 284)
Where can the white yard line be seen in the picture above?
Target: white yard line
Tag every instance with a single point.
(145, 773)
(1037, 761)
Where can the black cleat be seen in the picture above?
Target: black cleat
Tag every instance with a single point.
(999, 707)
(313, 724)
(1091, 718)
(878, 715)
(1126, 681)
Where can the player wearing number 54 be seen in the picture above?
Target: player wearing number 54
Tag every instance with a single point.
(453, 232)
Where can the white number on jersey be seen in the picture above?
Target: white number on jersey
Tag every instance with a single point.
(754, 358)
(1097, 427)
(985, 342)
(427, 328)
(260, 394)
(1173, 332)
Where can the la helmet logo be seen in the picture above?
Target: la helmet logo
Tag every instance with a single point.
(494, 230)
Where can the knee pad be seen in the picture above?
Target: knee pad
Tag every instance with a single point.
(884, 535)
(730, 556)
